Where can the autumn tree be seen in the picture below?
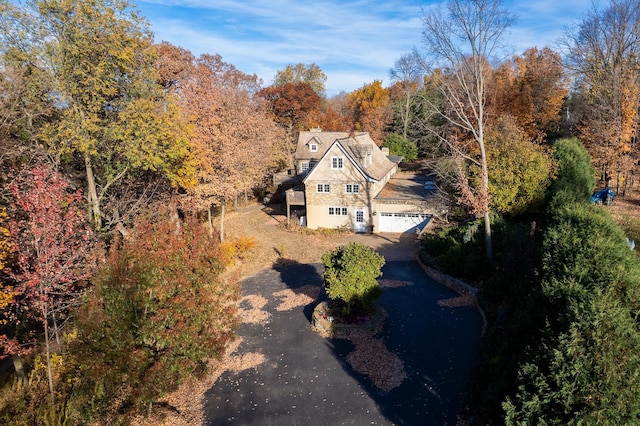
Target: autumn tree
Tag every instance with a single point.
(6, 249)
(294, 106)
(370, 106)
(302, 73)
(234, 135)
(531, 88)
(480, 24)
(173, 65)
(52, 242)
(519, 170)
(603, 53)
(407, 75)
(336, 115)
(158, 310)
(109, 112)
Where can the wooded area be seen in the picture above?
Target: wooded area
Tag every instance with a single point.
(115, 147)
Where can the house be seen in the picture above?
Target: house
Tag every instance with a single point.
(348, 181)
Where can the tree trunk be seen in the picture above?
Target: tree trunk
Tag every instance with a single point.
(487, 237)
(222, 221)
(92, 192)
(210, 221)
(55, 328)
(407, 111)
(48, 353)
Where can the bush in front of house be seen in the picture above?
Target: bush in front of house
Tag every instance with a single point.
(350, 273)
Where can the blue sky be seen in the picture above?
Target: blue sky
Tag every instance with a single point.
(353, 42)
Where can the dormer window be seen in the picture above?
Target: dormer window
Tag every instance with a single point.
(313, 147)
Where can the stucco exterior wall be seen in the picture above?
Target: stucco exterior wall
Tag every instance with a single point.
(318, 203)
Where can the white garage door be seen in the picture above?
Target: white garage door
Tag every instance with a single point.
(402, 222)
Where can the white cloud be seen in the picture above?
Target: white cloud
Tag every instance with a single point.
(353, 42)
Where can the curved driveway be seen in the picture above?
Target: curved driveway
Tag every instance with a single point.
(305, 379)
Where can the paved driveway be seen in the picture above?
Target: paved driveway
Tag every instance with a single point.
(306, 379)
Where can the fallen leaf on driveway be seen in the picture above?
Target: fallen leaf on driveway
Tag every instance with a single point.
(457, 302)
(293, 298)
(253, 314)
(393, 283)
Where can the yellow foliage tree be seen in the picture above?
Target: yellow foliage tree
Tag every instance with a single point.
(519, 170)
(370, 105)
(6, 293)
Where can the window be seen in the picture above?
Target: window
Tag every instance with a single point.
(323, 187)
(337, 211)
(337, 162)
(359, 216)
(313, 147)
(304, 167)
(352, 188)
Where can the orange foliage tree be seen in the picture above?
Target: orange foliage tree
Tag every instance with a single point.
(294, 107)
(532, 89)
(337, 116)
(370, 105)
(234, 135)
(604, 53)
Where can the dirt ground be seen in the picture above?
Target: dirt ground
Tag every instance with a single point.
(626, 206)
(274, 241)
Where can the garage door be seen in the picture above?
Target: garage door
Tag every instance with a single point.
(402, 222)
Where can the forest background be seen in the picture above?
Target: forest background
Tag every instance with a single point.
(118, 152)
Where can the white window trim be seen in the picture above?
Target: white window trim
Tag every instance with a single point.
(324, 188)
(338, 211)
(303, 168)
(339, 163)
(313, 147)
(352, 188)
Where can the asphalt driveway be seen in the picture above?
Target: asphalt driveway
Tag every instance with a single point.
(306, 380)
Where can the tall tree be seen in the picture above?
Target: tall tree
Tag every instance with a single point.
(407, 75)
(110, 113)
(174, 65)
(519, 170)
(462, 39)
(337, 116)
(233, 133)
(370, 105)
(604, 54)
(53, 242)
(295, 107)
(531, 88)
(302, 73)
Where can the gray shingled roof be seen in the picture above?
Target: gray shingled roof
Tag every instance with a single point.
(359, 146)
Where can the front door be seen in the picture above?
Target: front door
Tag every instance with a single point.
(359, 224)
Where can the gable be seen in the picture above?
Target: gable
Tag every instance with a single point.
(327, 167)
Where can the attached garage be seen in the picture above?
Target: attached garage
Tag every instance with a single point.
(402, 222)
